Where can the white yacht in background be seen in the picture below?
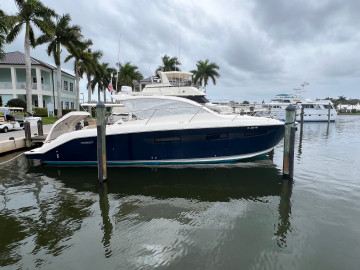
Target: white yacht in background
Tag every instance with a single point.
(179, 83)
(314, 111)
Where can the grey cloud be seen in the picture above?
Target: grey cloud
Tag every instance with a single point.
(299, 20)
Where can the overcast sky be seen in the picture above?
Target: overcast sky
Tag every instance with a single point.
(263, 47)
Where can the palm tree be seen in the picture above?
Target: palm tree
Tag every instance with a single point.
(169, 64)
(100, 73)
(79, 53)
(3, 32)
(205, 70)
(66, 35)
(102, 78)
(89, 68)
(128, 73)
(30, 12)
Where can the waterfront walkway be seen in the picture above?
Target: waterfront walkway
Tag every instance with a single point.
(21, 133)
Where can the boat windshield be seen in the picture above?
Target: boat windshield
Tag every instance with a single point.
(179, 78)
(280, 101)
(144, 108)
(66, 124)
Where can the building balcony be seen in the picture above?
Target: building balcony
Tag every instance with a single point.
(46, 87)
(6, 85)
(22, 85)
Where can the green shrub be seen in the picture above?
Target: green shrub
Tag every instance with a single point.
(16, 102)
(64, 111)
(41, 112)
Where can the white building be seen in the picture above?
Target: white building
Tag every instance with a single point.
(44, 82)
(348, 107)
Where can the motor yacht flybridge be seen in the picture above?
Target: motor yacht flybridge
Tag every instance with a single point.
(179, 83)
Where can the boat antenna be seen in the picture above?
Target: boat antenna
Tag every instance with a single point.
(179, 61)
(118, 68)
(301, 90)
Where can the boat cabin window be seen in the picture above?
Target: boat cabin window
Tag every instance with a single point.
(308, 106)
(198, 99)
(281, 100)
(327, 106)
(179, 81)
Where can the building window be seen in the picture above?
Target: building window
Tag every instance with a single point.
(62, 104)
(71, 87)
(67, 105)
(65, 85)
(72, 105)
(34, 80)
(44, 104)
(36, 103)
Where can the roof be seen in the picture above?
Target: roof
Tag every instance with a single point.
(18, 58)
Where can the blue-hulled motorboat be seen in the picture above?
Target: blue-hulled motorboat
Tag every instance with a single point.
(161, 130)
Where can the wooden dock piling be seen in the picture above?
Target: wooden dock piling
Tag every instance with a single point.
(301, 119)
(329, 112)
(101, 141)
(40, 128)
(289, 142)
(27, 134)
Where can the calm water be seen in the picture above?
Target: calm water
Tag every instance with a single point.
(239, 216)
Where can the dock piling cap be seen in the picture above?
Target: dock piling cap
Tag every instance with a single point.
(290, 108)
(100, 104)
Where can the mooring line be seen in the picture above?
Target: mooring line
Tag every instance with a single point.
(11, 159)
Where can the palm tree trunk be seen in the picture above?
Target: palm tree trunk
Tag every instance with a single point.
(89, 91)
(98, 94)
(104, 95)
(28, 69)
(58, 75)
(77, 79)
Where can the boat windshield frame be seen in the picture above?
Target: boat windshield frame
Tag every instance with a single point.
(65, 124)
(145, 107)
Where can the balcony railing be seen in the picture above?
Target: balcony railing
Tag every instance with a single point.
(46, 86)
(5, 85)
(22, 85)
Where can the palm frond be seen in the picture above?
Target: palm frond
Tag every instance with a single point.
(14, 32)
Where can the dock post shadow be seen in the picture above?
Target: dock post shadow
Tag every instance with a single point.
(284, 224)
(107, 226)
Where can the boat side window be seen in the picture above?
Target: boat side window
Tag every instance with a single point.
(168, 139)
(254, 132)
(193, 137)
(308, 106)
(327, 106)
(216, 136)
